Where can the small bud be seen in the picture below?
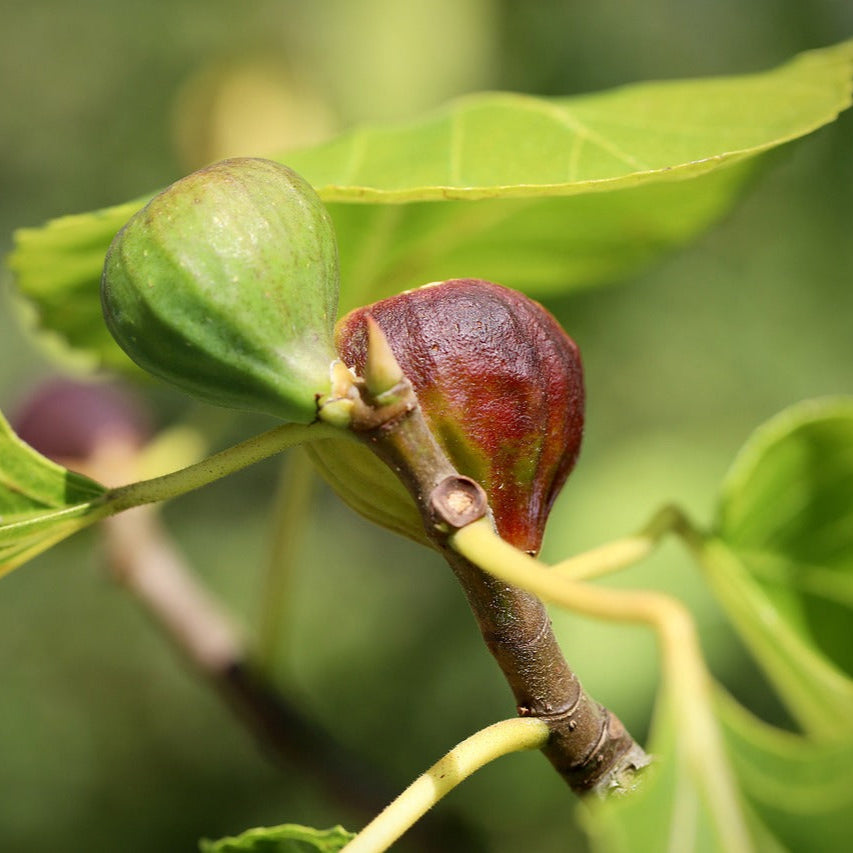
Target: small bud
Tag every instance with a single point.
(336, 407)
(381, 370)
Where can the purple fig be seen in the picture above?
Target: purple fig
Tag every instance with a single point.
(500, 384)
(67, 420)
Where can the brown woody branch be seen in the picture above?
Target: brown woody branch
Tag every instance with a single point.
(141, 556)
(589, 746)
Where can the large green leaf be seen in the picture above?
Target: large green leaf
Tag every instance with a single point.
(40, 502)
(288, 838)
(510, 145)
(539, 245)
(501, 186)
(783, 563)
(792, 793)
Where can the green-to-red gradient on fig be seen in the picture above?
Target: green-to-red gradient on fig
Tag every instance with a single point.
(500, 384)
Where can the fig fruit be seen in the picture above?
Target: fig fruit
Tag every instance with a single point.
(501, 387)
(66, 420)
(226, 285)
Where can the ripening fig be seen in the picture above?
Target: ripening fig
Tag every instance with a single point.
(226, 285)
(500, 384)
(66, 420)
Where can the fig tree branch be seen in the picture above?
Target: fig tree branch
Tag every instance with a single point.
(588, 744)
(142, 558)
(686, 679)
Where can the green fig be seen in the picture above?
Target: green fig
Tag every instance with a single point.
(501, 387)
(226, 285)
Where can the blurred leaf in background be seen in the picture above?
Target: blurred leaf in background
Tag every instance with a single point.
(100, 729)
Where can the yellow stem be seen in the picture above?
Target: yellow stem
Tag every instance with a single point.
(625, 552)
(457, 765)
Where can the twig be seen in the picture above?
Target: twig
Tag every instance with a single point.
(216, 466)
(588, 746)
(142, 557)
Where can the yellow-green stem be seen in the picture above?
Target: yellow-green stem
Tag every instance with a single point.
(457, 765)
(622, 553)
(217, 466)
(290, 511)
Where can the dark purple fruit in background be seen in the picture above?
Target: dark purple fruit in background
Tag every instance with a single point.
(500, 384)
(67, 420)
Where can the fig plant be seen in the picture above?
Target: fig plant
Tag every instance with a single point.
(452, 413)
(239, 259)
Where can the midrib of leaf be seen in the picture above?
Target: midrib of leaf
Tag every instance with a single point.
(37, 519)
(830, 584)
(818, 695)
(685, 813)
(566, 117)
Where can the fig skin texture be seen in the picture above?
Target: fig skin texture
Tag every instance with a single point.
(226, 285)
(500, 384)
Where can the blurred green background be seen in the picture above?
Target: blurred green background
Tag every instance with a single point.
(107, 742)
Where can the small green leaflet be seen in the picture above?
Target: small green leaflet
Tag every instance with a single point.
(783, 563)
(543, 195)
(40, 502)
(58, 269)
(288, 838)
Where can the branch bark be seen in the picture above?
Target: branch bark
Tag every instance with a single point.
(142, 558)
(589, 746)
